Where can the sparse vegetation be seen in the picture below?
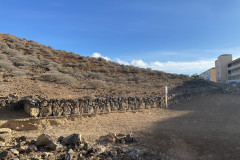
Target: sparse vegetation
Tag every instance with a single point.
(96, 84)
(58, 77)
(6, 65)
(22, 58)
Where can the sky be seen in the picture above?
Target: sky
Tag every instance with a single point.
(176, 36)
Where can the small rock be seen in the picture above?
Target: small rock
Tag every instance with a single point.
(20, 139)
(2, 144)
(92, 151)
(23, 148)
(69, 155)
(5, 137)
(32, 148)
(86, 147)
(122, 141)
(5, 130)
(111, 137)
(113, 152)
(14, 151)
(126, 157)
(129, 138)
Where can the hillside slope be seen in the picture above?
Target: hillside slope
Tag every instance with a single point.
(29, 68)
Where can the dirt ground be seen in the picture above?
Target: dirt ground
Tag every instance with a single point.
(204, 128)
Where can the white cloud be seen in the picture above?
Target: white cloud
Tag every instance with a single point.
(139, 63)
(183, 67)
(98, 55)
(188, 67)
(121, 61)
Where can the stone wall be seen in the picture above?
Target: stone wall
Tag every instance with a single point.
(38, 107)
(11, 102)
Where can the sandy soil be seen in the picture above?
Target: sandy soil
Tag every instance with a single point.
(204, 128)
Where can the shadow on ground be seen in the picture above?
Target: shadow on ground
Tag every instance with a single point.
(210, 130)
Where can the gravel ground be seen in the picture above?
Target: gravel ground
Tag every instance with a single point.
(204, 128)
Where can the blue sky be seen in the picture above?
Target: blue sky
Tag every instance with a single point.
(177, 36)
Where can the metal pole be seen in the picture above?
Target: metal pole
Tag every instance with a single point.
(166, 96)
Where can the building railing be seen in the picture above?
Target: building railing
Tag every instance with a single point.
(234, 74)
(234, 67)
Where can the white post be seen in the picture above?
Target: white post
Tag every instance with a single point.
(166, 96)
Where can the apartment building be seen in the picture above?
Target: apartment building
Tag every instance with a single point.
(209, 75)
(234, 71)
(221, 66)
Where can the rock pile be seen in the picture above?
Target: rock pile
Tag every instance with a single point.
(73, 147)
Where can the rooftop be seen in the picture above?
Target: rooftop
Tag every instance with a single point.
(236, 60)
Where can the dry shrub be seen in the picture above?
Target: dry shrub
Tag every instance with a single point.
(3, 56)
(136, 79)
(77, 73)
(82, 64)
(58, 77)
(125, 69)
(15, 73)
(33, 59)
(14, 42)
(95, 84)
(94, 75)
(66, 70)
(24, 60)
(47, 51)
(12, 52)
(33, 44)
(6, 65)
(3, 46)
(104, 70)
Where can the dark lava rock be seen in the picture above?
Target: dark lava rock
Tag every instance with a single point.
(72, 139)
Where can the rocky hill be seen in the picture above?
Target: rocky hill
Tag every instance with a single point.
(29, 68)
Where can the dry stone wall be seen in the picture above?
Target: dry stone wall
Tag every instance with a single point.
(38, 107)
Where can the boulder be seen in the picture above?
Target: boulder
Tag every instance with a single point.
(45, 140)
(5, 155)
(72, 139)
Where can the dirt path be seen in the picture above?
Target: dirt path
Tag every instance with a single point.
(204, 128)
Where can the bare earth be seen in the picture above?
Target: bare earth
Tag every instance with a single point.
(204, 128)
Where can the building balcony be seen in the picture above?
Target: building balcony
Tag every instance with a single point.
(234, 67)
(234, 74)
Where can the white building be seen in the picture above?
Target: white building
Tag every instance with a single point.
(234, 71)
